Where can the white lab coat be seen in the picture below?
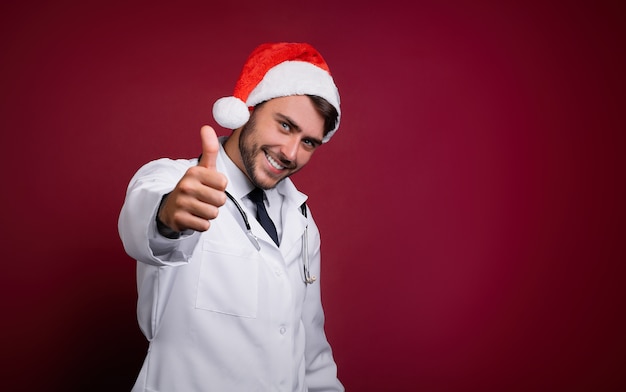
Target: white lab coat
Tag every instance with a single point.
(220, 315)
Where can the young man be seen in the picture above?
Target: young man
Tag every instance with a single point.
(228, 253)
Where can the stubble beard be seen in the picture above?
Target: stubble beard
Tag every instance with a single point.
(249, 150)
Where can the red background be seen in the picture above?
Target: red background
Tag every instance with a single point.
(471, 204)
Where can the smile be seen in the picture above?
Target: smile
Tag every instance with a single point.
(273, 162)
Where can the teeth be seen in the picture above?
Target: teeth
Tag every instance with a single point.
(274, 163)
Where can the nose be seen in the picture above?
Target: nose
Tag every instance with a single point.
(290, 149)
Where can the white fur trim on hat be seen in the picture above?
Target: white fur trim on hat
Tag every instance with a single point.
(295, 78)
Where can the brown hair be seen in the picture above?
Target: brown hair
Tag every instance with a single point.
(327, 111)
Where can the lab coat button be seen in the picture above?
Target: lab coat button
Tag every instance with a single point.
(283, 330)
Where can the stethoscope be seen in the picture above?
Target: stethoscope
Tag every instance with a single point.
(307, 277)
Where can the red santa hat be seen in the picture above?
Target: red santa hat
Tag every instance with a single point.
(277, 70)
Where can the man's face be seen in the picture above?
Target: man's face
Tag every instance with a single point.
(279, 139)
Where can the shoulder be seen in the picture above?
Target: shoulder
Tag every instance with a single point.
(163, 168)
(167, 164)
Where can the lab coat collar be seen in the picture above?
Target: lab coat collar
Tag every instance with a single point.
(294, 222)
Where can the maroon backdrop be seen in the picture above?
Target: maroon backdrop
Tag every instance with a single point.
(471, 204)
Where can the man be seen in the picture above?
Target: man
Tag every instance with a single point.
(230, 302)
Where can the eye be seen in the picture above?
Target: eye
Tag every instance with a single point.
(285, 126)
(309, 143)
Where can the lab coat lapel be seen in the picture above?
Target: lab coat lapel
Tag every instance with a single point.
(294, 222)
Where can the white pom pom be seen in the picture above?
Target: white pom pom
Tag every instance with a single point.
(230, 112)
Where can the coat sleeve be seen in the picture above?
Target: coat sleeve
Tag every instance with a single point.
(157, 256)
(321, 370)
(137, 221)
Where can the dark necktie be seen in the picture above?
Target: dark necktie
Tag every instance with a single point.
(261, 213)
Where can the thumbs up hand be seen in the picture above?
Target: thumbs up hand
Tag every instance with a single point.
(200, 192)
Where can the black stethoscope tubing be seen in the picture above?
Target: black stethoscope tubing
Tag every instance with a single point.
(307, 278)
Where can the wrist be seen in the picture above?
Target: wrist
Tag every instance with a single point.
(162, 228)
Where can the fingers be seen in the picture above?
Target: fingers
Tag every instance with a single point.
(210, 147)
(186, 208)
(182, 212)
(203, 185)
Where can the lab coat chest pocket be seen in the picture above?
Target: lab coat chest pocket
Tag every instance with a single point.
(228, 281)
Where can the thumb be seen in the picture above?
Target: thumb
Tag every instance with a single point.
(210, 147)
